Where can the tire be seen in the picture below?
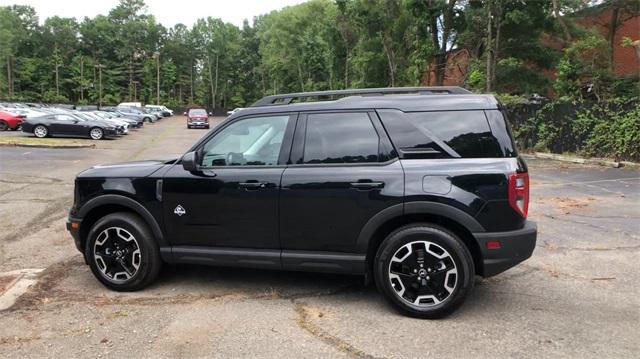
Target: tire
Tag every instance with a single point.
(189, 126)
(424, 270)
(4, 126)
(148, 119)
(127, 235)
(41, 131)
(96, 133)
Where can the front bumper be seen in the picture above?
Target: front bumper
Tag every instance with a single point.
(73, 226)
(198, 124)
(515, 247)
(110, 132)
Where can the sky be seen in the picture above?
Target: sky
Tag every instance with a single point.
(167, 12)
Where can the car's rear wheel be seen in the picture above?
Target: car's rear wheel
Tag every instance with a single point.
(41, 131)
(96, 133)
(3, 125)
(424, 270)
(122, 252)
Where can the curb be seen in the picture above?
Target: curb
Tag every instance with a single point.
(590, 161)
(17, 144)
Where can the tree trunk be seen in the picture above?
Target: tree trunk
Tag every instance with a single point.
(439, 58)
(563, 25)
(636, 45)
(191, 84)
(57, 81)
(215, 89)
(391, 61)
(81, 77)
(613, 28)
(489, 45)
(213, 95)
(346, 70)
(496, 47)
(10, 95)
(300, 76)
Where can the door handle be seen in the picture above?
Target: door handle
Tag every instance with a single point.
(252, 185)
(366, 185)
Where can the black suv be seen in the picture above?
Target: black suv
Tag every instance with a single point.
(419, 189)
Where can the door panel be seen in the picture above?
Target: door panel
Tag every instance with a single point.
(236, 208)
(232, 200)
(324, 208)
(344, 173)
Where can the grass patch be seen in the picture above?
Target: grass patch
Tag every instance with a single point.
(44, 142)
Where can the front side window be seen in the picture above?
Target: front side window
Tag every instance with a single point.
(249, 142)
(340, 138)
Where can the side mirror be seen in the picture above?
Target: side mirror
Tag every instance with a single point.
(190, 162)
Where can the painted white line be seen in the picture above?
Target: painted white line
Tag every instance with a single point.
(28, 277)
(585, 182)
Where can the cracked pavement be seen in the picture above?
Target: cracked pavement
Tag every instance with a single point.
(578, 296)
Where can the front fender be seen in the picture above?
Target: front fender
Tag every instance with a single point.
(120, 200)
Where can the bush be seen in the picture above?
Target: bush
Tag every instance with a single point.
(591, 129)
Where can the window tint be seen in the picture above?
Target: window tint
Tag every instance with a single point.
(411, 142)
(466, 132)
(249, 142)
(64, 118)
(197, 112)
(340, 138)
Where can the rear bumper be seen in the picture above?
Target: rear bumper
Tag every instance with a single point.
(515, 247)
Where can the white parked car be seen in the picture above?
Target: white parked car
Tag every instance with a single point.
(229, 113)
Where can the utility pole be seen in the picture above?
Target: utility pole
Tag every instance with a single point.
(100, 67)
(156, 55)
(135, 90)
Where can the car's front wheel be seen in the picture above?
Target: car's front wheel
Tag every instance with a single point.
(3, 125)
(41, 131)
(424, 270)
(122, 252)
(96, 133)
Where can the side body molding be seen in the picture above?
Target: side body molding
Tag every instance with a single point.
(110, 199)
(421, 207)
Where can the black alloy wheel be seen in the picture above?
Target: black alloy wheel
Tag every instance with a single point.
(424, 270)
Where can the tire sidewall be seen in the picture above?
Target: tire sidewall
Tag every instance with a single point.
(150, 258)
(440, 236)
(4, 126)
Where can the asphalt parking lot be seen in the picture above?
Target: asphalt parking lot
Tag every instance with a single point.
(578, 296)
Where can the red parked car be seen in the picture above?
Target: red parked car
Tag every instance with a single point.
(197, 118)
(10, 121)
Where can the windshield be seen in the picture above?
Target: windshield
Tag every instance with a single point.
(197, 112)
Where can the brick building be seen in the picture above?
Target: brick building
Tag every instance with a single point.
(626, 60)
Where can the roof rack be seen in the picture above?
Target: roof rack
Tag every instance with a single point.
(285, 99)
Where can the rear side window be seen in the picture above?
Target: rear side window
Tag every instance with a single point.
(443, 134)
(466, 132)
(340, 138)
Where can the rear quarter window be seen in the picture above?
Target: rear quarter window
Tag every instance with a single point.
(466, 133)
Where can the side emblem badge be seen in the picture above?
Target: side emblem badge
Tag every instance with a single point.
(179, 211)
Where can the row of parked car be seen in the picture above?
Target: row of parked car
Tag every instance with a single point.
(71, 121)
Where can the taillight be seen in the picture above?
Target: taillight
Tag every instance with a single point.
(519, 193)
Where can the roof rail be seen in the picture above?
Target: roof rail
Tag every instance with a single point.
(285, 99)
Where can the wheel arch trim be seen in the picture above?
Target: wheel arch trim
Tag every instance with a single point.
(409, 208)
(115, 199)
